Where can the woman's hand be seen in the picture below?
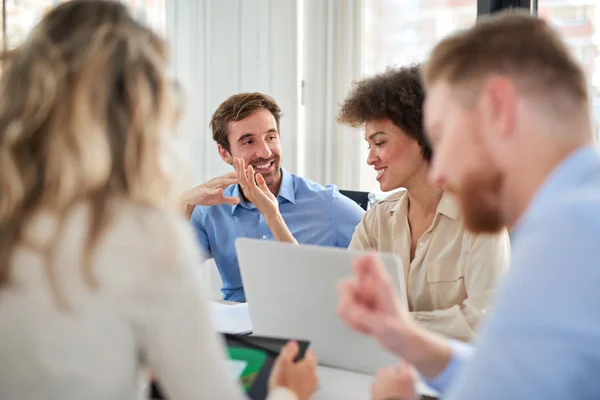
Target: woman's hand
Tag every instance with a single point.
(299, 377)
(255, 189)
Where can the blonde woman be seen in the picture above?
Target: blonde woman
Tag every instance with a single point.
(97, 280)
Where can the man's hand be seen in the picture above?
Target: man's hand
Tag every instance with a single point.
(398, 383)
(369, 304)
(299, 377)
(209, 193)
(255, 189)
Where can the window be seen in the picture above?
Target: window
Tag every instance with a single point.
(401, 32)
(579, 24)
(22, 15)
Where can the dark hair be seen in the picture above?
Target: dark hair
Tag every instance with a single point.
(396, 94)
(236, 108)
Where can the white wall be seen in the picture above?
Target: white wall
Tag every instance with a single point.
(223, 47)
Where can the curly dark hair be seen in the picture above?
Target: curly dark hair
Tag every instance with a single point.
(396, 94)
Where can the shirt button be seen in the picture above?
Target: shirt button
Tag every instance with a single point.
(421, 244)
(264, 237)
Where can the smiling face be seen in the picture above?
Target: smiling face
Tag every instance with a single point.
(255, 139)
(395, 156)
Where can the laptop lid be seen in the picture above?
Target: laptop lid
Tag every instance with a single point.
(292, 292)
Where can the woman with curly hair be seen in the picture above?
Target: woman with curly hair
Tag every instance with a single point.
(450, 274)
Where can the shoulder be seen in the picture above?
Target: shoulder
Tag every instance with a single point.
(313, 191)
(164, 235)
(383, 209)
(138, 244)
(576, 218)
(389, 204)
(301, 183)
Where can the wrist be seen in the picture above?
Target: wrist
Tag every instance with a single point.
(273, 216)
(427, 351)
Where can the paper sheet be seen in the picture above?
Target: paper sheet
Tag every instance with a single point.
(231, 318)
(236, 367)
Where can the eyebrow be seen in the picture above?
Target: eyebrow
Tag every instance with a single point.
(373, 135)
(249, 135)
(245, 136)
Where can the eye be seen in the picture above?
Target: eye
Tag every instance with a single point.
(378, 144)
(249, 141)
(273, 137)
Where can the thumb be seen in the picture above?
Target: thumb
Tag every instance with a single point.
(281, 365)
(290, 351)
(231, 200)
(226, 200)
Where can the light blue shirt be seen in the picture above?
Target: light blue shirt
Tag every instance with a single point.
(315, 214)
(543, 339)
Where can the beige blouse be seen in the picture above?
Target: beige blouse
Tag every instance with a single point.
(453, 275)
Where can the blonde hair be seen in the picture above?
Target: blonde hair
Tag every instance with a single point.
(523, 47)
(84, 108)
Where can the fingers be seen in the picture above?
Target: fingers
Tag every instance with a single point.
(250, 177)
(310, 358)
(232, 201)
(224, 199)
(290, 351)
(372, 277)
(349, 309)
(385, 372)
(309, 364)
(406, 370)
(226, 180)
(262, 184)
(366, 289)
(240, 170)
(396, 383)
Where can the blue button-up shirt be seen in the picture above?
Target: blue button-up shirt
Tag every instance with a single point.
(543, 339)
(315, 214)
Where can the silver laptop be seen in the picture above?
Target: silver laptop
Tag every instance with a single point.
(292, 292)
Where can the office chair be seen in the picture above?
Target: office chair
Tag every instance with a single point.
(363, 199)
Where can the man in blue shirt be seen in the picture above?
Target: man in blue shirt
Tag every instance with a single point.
(507, 112)
(246, 127)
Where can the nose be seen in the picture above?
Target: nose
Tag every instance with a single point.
(263, 151)
(372, 157)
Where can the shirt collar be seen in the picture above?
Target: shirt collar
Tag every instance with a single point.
(447, 206)
(565, 176)
(286, 192)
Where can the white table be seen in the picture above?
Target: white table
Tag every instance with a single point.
(337, 383)
(340, 384)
